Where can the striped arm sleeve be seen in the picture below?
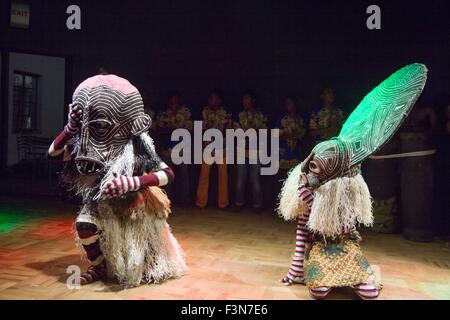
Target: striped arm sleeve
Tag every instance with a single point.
(161, 177)
(57, 146)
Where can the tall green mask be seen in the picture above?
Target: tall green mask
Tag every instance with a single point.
(369, 126)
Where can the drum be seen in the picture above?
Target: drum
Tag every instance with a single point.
(417, 182)
(382, 178)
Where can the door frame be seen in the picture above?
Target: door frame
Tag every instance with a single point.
(4, 96)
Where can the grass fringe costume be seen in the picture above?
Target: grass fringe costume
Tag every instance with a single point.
(329, 198)
(112, 164)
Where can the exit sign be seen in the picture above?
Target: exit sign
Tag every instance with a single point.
(20, 15)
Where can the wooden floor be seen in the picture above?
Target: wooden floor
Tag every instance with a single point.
(230, 256)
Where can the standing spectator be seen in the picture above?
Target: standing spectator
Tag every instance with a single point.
(292, 131)
(327, 121)
(214, 116)
(249, 118)
(175, 116)
(422, 118)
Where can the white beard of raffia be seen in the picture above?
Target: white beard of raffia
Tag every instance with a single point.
(139, 250)
(148, 144)
(340, 204)
(290, 206)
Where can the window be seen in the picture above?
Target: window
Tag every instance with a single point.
(25, 102)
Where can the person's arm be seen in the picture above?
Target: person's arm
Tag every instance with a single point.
(121, 184)
(70, 129)
(57, 146)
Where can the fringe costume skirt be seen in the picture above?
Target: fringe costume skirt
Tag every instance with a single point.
(136, 239)
(338, 263)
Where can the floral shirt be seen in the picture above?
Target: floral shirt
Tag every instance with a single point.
(292, 131)
(327, 118)
(216, 118)
(169, 120)
(250, 120)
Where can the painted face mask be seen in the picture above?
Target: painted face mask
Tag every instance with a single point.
(328, 159)
(370, 125)
(113, 113)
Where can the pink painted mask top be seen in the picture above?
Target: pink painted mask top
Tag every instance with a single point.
(112, 81)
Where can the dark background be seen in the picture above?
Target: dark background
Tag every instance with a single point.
(273, 47)
(276, 48)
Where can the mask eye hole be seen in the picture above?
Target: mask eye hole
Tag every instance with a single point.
(100, 126)
(313, 166)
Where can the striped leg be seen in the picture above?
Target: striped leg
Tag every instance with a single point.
(295, 272)
(319, 292)
(366, 291)
(88, 234)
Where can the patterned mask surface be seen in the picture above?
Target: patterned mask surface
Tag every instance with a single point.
(113, 113)
(370, 125)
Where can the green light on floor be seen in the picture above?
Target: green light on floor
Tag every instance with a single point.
(11, 219)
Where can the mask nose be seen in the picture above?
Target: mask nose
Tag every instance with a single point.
(88, 166)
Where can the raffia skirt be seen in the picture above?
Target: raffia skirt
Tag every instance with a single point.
(337, 263)
(137, 241)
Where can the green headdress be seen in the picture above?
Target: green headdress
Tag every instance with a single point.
(372, 123)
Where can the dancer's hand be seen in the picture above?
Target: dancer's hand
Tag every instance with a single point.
(120, 185)
(73, 119)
